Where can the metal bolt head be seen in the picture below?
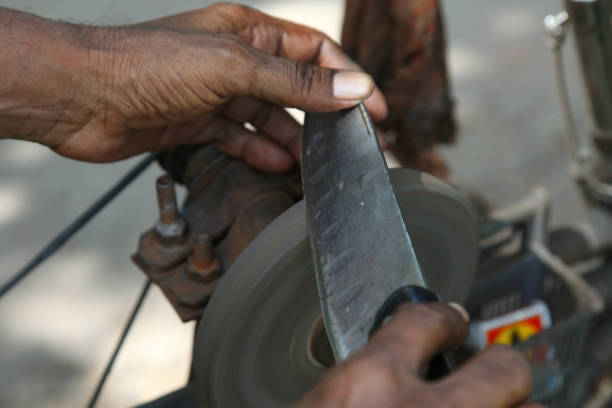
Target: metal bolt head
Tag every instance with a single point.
(555, 25)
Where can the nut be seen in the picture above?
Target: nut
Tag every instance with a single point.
(156, 258)
(189, 293)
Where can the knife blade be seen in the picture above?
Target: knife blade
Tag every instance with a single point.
(362, 251)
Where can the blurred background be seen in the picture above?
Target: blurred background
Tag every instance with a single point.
(58, 327)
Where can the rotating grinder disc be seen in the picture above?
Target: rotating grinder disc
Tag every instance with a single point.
(260, 341)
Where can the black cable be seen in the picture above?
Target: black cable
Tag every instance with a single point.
(124, 333)
(57, 242)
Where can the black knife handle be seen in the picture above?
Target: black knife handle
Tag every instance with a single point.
(442, 364)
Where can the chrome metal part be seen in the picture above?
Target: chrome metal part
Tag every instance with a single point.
(591, 21)
(534, 208)
(556, 26)
(586, 296)
(260, 343)
(589, 178)
(584, 239)
(362, 251)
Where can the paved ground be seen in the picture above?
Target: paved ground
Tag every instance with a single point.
(59, 326)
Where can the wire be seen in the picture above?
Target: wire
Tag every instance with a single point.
(124, 333)
(60, 239)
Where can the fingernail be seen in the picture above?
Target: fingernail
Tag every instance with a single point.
(349, 85)
(464, 313)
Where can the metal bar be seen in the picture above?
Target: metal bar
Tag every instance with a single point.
(575, 144)
(593, 33)
(556, 25)
(124, 333)
(57, 242)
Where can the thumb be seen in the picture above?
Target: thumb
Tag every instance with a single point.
(310, 87)
(418, 331)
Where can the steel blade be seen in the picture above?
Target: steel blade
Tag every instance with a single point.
(361, 248)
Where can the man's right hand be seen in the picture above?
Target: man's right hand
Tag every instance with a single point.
(387, 373)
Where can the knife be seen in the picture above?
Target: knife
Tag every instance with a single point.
(364, 260)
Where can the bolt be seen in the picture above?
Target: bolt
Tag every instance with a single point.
(203, 255)
(170, 227)
(556, 26)
(166, 199)
(203, 265)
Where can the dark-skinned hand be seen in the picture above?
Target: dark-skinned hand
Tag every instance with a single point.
(388, 371)
(106, 93)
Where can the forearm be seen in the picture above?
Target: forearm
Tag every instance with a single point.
(45, 64)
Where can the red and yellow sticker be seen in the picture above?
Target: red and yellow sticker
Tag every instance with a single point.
(510, 328)
(515, 332)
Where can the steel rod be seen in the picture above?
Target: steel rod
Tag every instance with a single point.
(56, 243)
(124, 333)
(576, 145)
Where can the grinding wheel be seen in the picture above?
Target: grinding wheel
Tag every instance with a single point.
(261, 343)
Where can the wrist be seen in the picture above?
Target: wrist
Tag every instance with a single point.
(51, 83)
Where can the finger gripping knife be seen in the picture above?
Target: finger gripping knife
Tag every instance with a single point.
(364, 261)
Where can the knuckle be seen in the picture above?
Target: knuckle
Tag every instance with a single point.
(222, 49)
(500, 373)
(429, 317)
(440, 321)
(512, 365)
(511, 358)
(305, 78)
(231, 42)
(235, 55)
(231, 8)
(364, 377)
(366, 366)
(221, 134)
(415, 324)
(462, 394)
(426, 397)
(372, 370)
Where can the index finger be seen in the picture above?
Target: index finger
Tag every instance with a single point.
(498, 377)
